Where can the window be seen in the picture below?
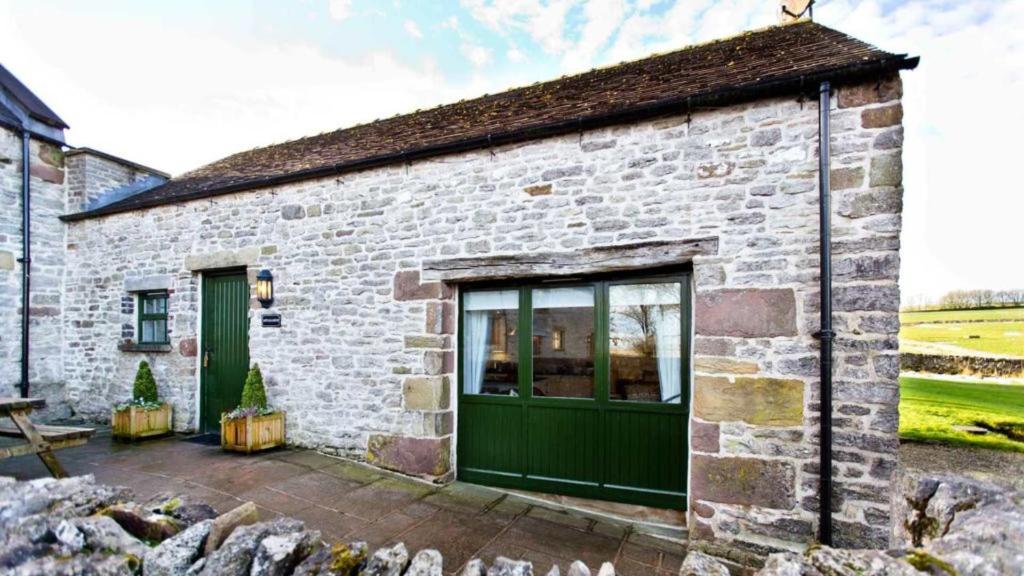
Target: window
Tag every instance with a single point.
(557, 339)
(490, 356)
(153, 318)
(563, 375)
(613, 340)
(645, 342)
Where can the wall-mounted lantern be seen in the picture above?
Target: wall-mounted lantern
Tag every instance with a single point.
(265, 288)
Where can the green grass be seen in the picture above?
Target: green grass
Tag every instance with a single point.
(963, 315)
(930, 408)
(994, 337)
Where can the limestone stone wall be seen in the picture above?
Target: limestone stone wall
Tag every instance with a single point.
(91, 174)
(364, 361)
(46, 327)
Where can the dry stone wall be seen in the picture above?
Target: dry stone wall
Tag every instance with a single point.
(46, 164)
(364, 362)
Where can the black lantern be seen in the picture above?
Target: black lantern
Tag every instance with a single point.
(265, 288)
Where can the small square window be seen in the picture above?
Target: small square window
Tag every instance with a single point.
(153, 318)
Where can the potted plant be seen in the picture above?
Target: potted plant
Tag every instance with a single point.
(252, 426)
(144, 415)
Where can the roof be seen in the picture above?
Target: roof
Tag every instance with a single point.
(35, 107)
(775, 60)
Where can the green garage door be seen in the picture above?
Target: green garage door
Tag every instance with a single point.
(577, 388)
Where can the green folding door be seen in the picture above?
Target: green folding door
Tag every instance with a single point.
(577, 388)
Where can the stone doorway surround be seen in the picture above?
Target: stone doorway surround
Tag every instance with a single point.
(433, 393)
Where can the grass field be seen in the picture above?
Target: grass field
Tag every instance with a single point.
(963, 315)
(930, 408)
(997, 331)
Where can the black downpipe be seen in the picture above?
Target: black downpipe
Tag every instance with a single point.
(26, 255)
(826, 334)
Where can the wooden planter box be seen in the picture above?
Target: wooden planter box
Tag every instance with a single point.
(253, 433)
(135, 423)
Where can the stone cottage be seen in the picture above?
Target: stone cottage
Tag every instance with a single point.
(604, 286)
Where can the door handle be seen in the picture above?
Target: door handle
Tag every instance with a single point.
(206, 359)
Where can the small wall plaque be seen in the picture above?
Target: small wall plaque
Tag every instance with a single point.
(271, 320)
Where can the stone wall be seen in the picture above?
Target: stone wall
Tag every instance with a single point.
(966, 365)
(91, 174)
(364, 362)
(46, 344)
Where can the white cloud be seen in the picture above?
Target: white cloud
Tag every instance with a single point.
(413, 29)
(515, 55)
(543, 21)
(478, 55)
(194, 102)
(340, 9)
(601, 19)
(451, 23)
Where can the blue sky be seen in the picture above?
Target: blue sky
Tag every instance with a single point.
(177, 84)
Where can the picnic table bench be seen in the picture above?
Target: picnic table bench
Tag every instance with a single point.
(40, 439)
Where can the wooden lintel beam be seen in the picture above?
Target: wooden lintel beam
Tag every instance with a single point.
(616, 258)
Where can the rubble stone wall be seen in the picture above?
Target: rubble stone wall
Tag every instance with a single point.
(364, 362)
(46, 165)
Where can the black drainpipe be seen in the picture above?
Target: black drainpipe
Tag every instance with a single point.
(826, 334)
(26, 255)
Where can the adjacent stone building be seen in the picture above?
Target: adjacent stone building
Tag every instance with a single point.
(604, 286)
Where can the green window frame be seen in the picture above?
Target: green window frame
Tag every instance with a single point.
(152, 318)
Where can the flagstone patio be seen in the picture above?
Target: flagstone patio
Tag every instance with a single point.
(349, 501)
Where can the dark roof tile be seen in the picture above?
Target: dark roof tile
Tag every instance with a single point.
(749, 63)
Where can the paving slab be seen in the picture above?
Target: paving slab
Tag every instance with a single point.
(349, 501)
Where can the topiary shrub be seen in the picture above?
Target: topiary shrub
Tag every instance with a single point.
(254, 395)
(144, 389)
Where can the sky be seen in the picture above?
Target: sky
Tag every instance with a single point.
(174, 85)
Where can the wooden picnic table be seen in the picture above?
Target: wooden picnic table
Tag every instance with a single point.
(40, 439)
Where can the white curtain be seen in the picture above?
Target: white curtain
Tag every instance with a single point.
(668, 347)
(478, 332)
(478, 308)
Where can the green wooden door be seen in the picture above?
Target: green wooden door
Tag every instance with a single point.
(225, 345)
(577, 388)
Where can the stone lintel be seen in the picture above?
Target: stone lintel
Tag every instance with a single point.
(429, 457)
(760, 401)
(615, 258)
(223, 259)
(147, 283)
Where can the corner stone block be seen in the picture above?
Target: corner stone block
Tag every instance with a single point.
(187, 347)
(704, 436)
(417, 456)
(755, 400)
(426, 393)
(720, 365)
(746, 313)
(440, 318)
(870, 92)
(6, 260)
(408, 287)
(743, 481)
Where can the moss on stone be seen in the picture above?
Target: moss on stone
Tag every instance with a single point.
(929, 564)
(345, 560)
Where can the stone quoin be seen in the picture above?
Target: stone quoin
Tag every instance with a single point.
(372, 263)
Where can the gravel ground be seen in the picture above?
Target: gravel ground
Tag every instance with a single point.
(995, 465)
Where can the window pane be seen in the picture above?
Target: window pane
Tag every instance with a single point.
(490, 357)
(645, 342)
(160, 331)
(563, 328)
(148, 330)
